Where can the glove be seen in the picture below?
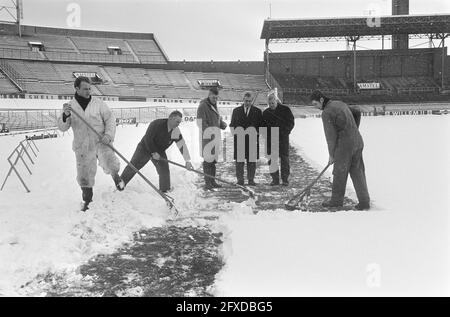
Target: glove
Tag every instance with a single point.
(156, 156)
(106, 139)
(189, 165)
(67, 108)
(331, 160)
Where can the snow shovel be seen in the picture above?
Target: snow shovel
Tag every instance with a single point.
(169, 200)
(250, 192)
(292, 204)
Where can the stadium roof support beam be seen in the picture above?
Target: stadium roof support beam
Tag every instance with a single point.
(352, 26)
(355, 28)
(342, 38)
(442, 37)
(354, 39)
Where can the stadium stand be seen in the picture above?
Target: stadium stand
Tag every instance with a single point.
(133, 66)
(80, 46)
(6, 86)
(397, 74)
(57, 79)
(94, 46)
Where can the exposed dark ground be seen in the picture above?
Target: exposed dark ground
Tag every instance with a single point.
(180, 258)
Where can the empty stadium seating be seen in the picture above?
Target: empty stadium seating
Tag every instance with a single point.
(147, 51)
(79, 46)
(6, 87)
(57, 79)
(96, 46)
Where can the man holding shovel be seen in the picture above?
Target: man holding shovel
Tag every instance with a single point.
(87, 146)
(160, 135)
(345, 146)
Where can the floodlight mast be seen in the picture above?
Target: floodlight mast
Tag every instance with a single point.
(11, 12)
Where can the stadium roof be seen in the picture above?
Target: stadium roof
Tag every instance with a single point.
(11, 29)
(355, 26)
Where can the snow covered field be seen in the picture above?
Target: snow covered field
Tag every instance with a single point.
(43, 231)
(401, 247)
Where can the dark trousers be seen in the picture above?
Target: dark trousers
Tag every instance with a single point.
(251, 169)
(87, 194)
(285, 169)
(353, 165)
(209, 168)
(140, 159)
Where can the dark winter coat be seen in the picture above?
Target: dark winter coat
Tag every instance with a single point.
(158, 138)
(208, 117)
(253, 119)
(341, 130)
(282, 118)
(356, 112)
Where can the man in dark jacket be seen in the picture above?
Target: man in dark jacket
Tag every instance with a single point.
(281, 117)
(161, 133)
(210, 123)
(345, 146)
(245, 123)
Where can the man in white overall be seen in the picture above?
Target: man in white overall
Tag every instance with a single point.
(86, 144)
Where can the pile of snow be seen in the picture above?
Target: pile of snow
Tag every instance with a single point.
(401, 247)
(43, 231)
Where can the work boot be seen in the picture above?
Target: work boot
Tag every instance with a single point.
(87, 195)
(214, 184)
(275, 179)
(285, 183)
(362, 206)
(120, 184)
(240, 182)
(208, 186)
(84, 206)
(166, 190)
(251, 183)
(331, 204)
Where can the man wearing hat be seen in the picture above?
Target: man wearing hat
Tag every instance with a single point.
(210, 123)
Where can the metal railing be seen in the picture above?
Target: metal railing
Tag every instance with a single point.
(11, 53)
(12, 74)
(32, 119)
(18, 119)
(23, 151)
(24, 54)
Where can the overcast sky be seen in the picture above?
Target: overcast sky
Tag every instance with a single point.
(205, 30)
